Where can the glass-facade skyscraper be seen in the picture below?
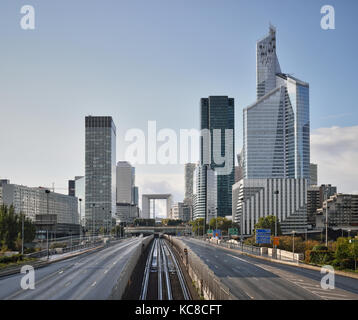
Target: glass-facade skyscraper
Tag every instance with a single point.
(276, 137)
(217, 119)
(100, 172)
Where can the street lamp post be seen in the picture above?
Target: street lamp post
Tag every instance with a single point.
(80, 219)
(326, 196)
(276, 214)
(22, 231)
(93, 206)
(48, 216)
(241, 220)
(293, 245)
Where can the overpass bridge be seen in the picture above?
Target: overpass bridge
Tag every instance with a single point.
(148, 230)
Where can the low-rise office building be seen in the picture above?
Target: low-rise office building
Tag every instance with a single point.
(342, 210)
(126, 213)
(180, 211)
(51, 212)
(283, 198)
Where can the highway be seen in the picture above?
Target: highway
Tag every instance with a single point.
(251, 278)
(84, 277)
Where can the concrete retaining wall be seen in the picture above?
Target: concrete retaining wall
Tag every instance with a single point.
(285, 254)
(123, 281)
(207, 283)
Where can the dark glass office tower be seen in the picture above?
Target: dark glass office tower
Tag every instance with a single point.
(217, 117)
(100, 172)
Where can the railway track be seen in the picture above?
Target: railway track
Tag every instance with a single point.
(163, 278)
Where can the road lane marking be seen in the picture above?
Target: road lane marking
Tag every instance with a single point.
(93, 284)
(61, 272)
(239, 258)
(105, 271)
(68, 283)
(332, 293)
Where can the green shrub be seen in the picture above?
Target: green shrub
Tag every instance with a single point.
(308, 256)
(13, 258)
(320, 247)
(58, 245)
(320, 257)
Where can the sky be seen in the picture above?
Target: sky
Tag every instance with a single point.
(142, 60)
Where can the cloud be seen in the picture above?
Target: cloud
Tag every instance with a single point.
(335, 150)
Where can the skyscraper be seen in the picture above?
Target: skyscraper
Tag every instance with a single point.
(313, 174)
(276, 147)
(276, 137)
(127, 193)
(188, 176)
(125, 182)
(217, 146)
(100, 172)
(205, 195)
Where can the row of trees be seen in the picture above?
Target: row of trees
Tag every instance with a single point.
(220, 223)
(11, 229)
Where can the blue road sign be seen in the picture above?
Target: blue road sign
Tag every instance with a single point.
(263, 236)
(217, 234)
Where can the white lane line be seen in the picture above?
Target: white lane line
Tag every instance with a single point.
(114, 262)
(311, 286)
(60, 272)
(332, 293)
(67, 284)
(105, 271)
(93, 284)
(251, 297)
(238, 258)
(334, 298)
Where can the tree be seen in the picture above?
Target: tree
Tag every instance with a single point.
(117, 230)
(268, 222)
(171, 222)
(11, 228)
(198, 226)
(221, 223)
(144, 222)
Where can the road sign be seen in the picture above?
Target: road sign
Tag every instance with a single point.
(217, 234)
(263, 235)
(276, 241)
(233, 231)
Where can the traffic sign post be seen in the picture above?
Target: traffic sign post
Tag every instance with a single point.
(233, 232)
(217, 234)
(263, 236)
(354, 241)
(276, 241)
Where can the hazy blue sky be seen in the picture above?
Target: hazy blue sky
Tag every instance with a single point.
(153, 60)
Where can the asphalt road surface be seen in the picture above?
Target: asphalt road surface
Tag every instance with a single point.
(252, 278)
(87, 276)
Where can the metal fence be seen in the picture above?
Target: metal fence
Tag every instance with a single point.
(76, 244)
(258, 251)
